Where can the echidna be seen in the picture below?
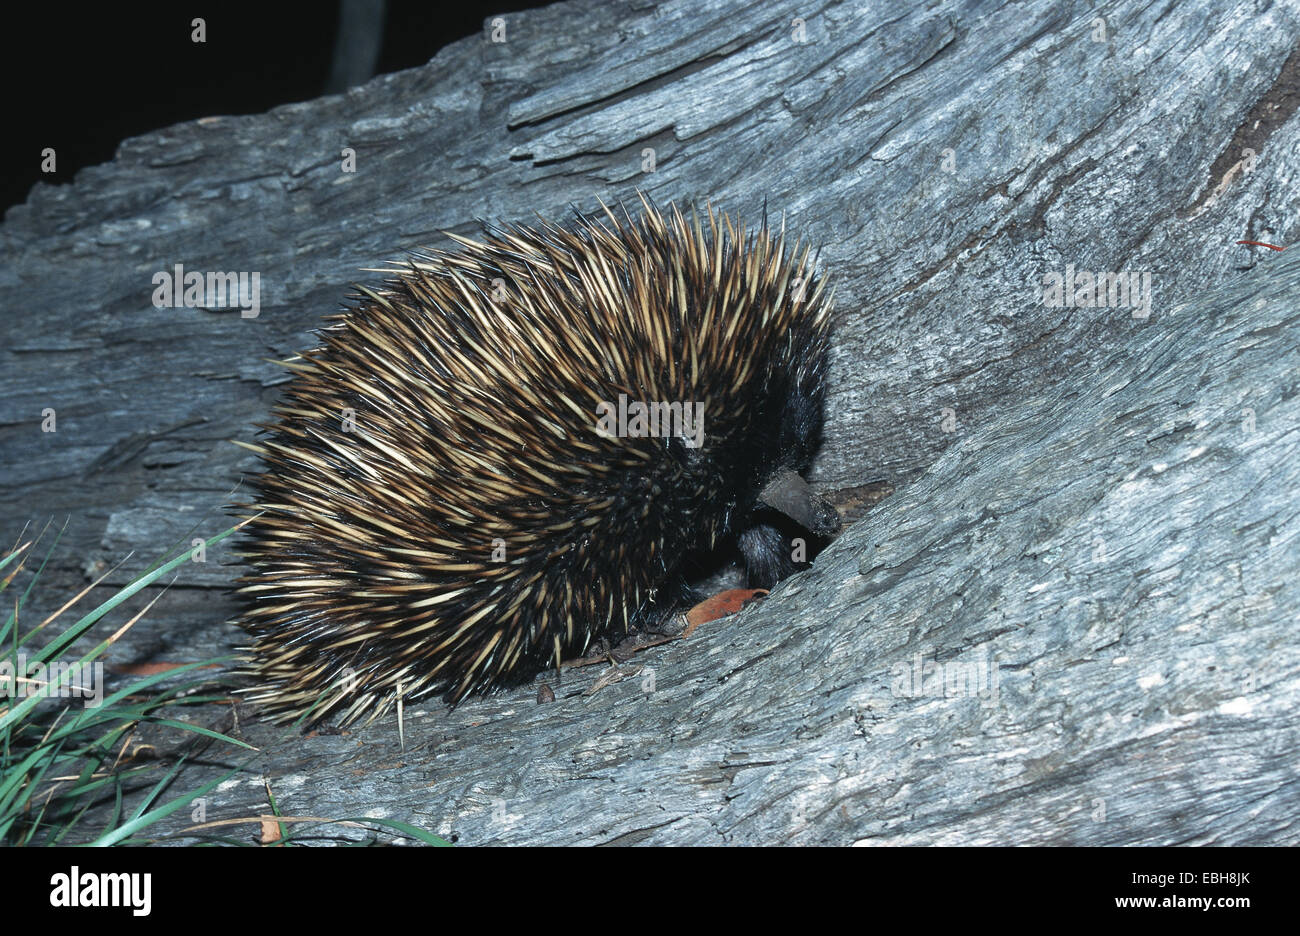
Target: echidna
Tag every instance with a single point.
(468, 482)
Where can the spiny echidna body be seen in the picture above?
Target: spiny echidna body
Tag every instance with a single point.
(461, 489)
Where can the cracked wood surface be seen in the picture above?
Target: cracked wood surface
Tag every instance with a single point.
(1073, 629)
(945, 158)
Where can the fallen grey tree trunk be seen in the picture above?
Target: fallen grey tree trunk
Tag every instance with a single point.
(1093, 506)
(1076, 628)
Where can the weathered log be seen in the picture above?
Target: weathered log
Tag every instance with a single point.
(1094, 502)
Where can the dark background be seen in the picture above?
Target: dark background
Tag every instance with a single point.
(82, 79)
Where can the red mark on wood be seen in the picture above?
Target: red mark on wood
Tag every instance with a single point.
(719, 606)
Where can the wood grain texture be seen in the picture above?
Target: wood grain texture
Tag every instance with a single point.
(1103, 504)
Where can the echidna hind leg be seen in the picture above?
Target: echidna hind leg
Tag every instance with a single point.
(671, 598)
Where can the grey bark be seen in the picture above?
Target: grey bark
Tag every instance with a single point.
(1094, 506)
